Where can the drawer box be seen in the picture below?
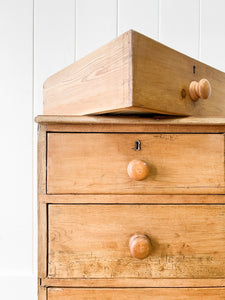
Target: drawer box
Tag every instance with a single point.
(137, 293)
(92, 241)
(89, 163)
(133, 74)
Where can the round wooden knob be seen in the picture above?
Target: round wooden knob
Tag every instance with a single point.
(140, 246)
(138, 169)
(201, 89)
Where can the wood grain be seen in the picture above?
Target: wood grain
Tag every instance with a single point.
(130, 120)
(41, 172)
(132, 282)
(102, 75)
(42, 293)
(134, 294)
(92, 241)
(161, 78)
(145, 124)
(131, 199)
(42, 240)
(97, 163)
(87, 246)
(42, 207)
(138, 169)
(140, 246)
(201, 89)
(134, 128)
(133, 73)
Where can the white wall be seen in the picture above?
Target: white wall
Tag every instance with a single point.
(41, 37)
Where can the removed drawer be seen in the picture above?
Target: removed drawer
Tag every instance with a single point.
(135, 74)
(137, 293)
(156, 163)
(98, 241)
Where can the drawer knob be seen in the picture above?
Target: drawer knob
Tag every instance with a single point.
(138, 169)
(201, 89)
(140, 246)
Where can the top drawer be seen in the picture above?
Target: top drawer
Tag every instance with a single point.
(88, 163)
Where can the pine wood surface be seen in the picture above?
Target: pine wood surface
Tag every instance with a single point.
(97, 163)
(133, 282)
(105, 72)
(130, 120)
(132, 199)
(42, 207)
(134, 294)
(42, 240)
(135, 128)
(200, 90)
(161, 76)
(133, 73)
(138, 125)
(92, 241)
(140, 246)
(41, 172)
(42, 293)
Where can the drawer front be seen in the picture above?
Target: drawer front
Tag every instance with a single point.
(137, 293)
(94, 241)
(156, 163)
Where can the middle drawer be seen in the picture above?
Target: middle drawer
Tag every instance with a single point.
(107, 163)
(107, 241)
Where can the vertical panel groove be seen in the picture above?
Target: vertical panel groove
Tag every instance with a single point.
(75, 30)
(179, 25)
(96, 24)
(199, 32)
(117, 16)
(16, 92)
(34, 228)
(140, 15)
(212, 28)
(159, 20)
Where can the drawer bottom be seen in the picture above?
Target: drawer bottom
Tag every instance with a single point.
(136, 293)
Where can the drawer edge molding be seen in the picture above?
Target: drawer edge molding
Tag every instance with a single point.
(133, 199)
(179, 283)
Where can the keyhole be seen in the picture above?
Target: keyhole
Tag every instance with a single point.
(137, 145)
(194, 69)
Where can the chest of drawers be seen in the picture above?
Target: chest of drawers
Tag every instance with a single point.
(131, 208)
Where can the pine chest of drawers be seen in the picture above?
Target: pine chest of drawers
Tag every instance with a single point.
(131, 208)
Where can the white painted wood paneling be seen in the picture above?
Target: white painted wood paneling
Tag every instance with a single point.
(179, 25)
(16, 94)
(18, 287)
(16, 135)
(96, 24)
(212, 25)
(140, 15)
(54, 41)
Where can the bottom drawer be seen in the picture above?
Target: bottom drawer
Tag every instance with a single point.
(137, 293)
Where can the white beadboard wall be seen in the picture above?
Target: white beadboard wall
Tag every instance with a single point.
(40, 37)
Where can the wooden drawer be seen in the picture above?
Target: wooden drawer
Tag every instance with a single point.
(92, 241)
(137, 293)
(88, 163)
(134, 74)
